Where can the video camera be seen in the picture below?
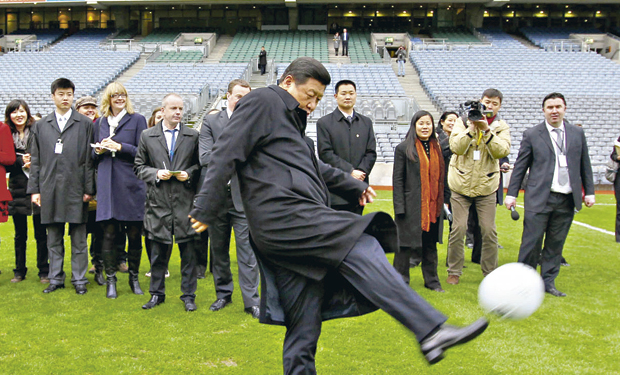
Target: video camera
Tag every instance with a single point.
(475, 110)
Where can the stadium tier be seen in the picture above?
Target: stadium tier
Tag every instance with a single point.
(281, 46)
(45, 37)
(79, 58)
(543, 36)
(359, 50)
(179, 57)
(455, 35)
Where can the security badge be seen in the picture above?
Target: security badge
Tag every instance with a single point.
(562, 161)
(58, 147)
(476, 155)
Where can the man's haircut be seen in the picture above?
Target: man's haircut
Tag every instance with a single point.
(165, 99)
(345, 82)
(493, 93)
(304, 68)
(238, 82)
(445, 115)
(62, 83)
(554, 95)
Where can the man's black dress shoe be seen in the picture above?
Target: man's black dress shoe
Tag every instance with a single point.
(220, 303)
(81, 289)
(254, 311)
(190, 305)
(447, 336)
(99, 279)
(555, 292)
(53, 288)
(154, 301)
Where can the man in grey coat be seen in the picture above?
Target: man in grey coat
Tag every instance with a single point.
(230, 217)
(312, 255)
(62, 182)
(167, 161)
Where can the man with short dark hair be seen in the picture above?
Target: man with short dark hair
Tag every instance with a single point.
(316, 263)
(346, 140)
(474, 175)
(345, 42)
(62, 182)
(167, 161)
(230, 217)
(262, 60)
(556, 154)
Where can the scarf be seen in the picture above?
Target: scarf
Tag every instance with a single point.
(430, 175)
(20, 144)
(114, 120)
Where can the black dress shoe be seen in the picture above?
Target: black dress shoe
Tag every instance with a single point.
(448, 336)
(53, 288)
(110, 291)
(99, 279)
(190, 305)
(555, 292)
(154, 301)
(81, 289)
(254, 311)
(220, 303)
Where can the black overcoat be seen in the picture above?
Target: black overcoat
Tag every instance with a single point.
(346, 147)
(262, 58)
(408, 198)
(285, 194)
(168, 203)
(62, 179)
(18, 185)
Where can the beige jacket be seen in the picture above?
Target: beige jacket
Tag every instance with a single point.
(474, 178)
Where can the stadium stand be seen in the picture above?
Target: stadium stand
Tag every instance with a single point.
(45, 37)
(455, 35)
(78, 57)
(543, 36)
(525, 76)
(281, 46)
(359, 49)
(179, 57)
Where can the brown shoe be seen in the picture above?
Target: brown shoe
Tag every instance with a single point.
(122, 267)
(92, 269)
(453, 279)
(45, 280)
(17, 279)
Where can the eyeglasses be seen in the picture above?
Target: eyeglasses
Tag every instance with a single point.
(119, 96)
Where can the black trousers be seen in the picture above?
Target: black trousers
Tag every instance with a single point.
(367, 269)
(552, 226)
(160, 256)
(474, 233)
(428, 256)
(263, 68)
(345, 48)
(202, 250)
(114, 233)
(20, 223)
(351, 207)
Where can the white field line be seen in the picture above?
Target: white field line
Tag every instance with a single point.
(587, 225)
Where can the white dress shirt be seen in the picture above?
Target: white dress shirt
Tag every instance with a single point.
(168, 136)
(555, 185)
(62, 119)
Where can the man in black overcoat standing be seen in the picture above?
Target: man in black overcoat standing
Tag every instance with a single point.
(62, 182)
(346, 141)
(262, 60)
(230, 217)
(167, 161)
(316, 263)
(556, 154)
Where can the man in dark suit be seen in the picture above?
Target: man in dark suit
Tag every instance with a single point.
(230, 217)
(262, 60)
(556, 154)
(345, 42)
(316, 263)
(62, 182)
(167, 161)
(346, 141)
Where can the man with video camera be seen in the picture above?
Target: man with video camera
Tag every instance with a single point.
(479, 140)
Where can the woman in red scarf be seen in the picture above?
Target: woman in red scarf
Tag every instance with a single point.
(418, 181)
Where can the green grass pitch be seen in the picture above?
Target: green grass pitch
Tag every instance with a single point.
(64, 333)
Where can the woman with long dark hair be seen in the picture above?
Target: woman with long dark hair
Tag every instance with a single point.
(418, 181)
(120, 194)
(17, 116)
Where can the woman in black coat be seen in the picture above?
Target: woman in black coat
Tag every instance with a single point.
(615, 157)
(17, 117)
(418, 181)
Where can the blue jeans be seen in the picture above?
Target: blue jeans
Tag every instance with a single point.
(401, 67)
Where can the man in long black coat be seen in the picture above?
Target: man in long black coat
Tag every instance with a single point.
(167, 160)
(346, 141)
(316, 263)
(62, 181)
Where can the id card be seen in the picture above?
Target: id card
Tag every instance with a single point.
(476, 155)
(58, 147)
(562, 161)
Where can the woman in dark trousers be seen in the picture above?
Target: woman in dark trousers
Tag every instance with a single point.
(17, 117)
(418, 181)
(615, 157)
(120, 194)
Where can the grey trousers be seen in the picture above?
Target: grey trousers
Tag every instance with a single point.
(485, 207)
(79, 253)
(219, 233)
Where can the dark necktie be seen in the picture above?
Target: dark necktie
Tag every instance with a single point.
(172, 142)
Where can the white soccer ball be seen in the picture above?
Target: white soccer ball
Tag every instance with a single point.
(513, 291)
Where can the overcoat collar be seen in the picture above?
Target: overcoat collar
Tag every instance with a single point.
(292, 105)
(159, 133)
(51, 119)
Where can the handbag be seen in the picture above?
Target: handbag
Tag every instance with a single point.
(611, 170)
